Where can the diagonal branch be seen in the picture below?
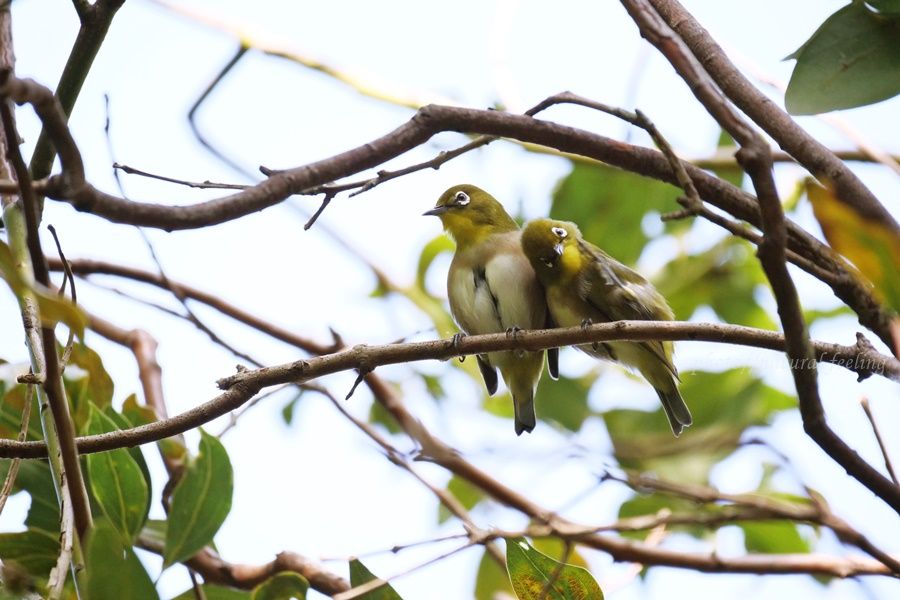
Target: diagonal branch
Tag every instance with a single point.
(96, 19)
(755, 158)
(813, 155)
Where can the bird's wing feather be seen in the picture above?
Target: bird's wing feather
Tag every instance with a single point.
(620, 293)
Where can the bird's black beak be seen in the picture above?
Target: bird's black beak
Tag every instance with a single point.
(436, 211)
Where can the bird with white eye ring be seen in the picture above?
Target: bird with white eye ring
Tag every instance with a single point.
(492, 288)
(584, 285)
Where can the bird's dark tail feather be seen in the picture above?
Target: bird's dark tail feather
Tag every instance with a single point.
(676, 410)
(525, 419)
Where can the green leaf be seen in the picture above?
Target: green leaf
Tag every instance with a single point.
(139, 414)
(491, 579)
(564, 401)
(117, 482)
(609, 206)
(432, 250)
(556, 547)
(113, 570)
(379, 415)
(99, 383)
(468, 494)
(122, 422)
(35, 479)
(34, 550)
(651, 504)
(214, 592)
(774, 537)
(530, 571)
(723, 405)
(359, 575)
(11, 407)
(287, 411)
(853, 59)
(200, 502)
(52, 307)
(723, 277)
(870, 245)
(154, 532)
(282, 586)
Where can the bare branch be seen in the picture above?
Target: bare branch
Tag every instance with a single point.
(53, 387)
(888, 464)
(755, 158)
(244, 385)
(777, 123)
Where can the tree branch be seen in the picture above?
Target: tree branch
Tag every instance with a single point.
(755, 158)
(245, 384)
(430, 120)
(96, 19)
(53, 386)
(817, 158)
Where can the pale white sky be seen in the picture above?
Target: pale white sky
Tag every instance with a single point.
(318, 487)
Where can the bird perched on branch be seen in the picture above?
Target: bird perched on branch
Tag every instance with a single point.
(585, 285)
(492, 288)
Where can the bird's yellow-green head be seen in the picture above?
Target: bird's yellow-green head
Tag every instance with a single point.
(469, 214)
(552, 248)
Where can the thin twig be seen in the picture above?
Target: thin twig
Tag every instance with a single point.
(70, 343)
(13, 471)
(864, 402)
(202, 185)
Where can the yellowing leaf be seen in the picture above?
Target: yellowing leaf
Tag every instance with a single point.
(532, 572)
(871, 246)
(52, 307)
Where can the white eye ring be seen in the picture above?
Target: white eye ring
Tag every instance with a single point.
(560, 232)
(461, 199)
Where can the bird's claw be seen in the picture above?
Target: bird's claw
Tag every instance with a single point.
(585, 323)
(456, 339)
(513, 332)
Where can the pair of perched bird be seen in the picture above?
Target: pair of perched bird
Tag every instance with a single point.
(503, 278)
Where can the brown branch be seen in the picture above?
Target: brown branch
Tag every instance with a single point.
(96, 19)
(215, 569)
(548, 524)
(428, 121)
(888, 464)
(445, 497)
(814, 511)
(755, 158)
(53, 387)
(813, 155)
(202, 185)
(246, 383)
(85, 267)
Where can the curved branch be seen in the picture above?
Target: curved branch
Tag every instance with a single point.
(756, 159)
(430, 120)
(813, 155)
(241, 387)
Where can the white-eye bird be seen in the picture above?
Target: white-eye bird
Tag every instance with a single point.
(586, 285)
(492, 288)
